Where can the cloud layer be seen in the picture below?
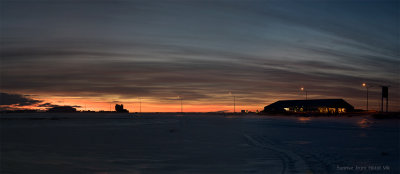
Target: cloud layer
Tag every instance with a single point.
(259, 51)
(16, 99)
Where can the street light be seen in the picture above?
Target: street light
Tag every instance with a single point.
(302, 89)
(367, 87)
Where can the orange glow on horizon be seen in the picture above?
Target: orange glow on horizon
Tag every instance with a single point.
(147, 105)
(218, 103)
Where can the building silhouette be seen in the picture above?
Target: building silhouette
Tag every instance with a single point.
(120, 108)
(62, 109)
(326, 106)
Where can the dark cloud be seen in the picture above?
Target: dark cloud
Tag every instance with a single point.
(29, 53)
(17, 99)
(12, 101)
(49, 105)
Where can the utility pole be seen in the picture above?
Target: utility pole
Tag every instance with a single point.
(385, 94)
(234, 104)
(140, 105)
(387, 104)
(302, 89)
(382, 102)
(180, 98)
(367, 87)
(306, 102)
(306, 95)
(367, 99)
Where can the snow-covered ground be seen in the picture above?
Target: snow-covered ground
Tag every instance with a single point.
(196, 143)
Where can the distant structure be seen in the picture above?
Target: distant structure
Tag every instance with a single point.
(385, 94)
(120, 108)
(62, 109)
(326, 106)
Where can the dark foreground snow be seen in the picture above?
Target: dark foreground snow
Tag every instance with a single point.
(167, 143)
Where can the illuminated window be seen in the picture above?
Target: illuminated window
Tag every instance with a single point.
(332, 110)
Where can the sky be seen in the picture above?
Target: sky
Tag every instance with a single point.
(94, 54)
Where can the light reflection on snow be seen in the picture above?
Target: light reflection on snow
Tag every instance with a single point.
(304, 119)
(364, 123)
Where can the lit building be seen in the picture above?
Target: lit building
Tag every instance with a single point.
(328, 106)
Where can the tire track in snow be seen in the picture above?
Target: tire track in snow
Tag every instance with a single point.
(291, 162)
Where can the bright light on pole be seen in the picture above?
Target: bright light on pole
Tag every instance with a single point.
(302, 89)
(366, 86)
